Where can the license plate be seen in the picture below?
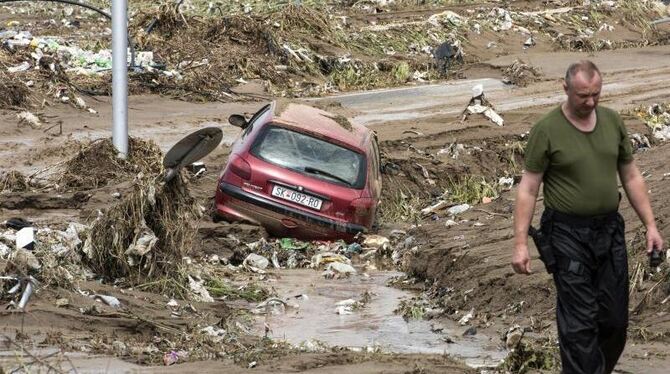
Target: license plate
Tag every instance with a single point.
(297, 197)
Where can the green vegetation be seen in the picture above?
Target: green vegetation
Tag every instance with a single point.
(249, 292)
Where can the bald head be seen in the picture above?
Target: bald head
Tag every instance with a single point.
(588, 68)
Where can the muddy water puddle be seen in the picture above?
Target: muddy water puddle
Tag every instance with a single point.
(374, 325)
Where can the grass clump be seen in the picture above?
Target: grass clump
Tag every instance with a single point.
(470, 189)
(249, 292)
(411, 310)
(401, 207)
(529, 357)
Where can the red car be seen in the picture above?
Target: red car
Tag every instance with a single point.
(301, 172)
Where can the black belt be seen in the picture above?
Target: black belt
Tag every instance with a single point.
(582, 221)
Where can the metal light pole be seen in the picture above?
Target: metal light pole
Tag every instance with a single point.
(120, 77)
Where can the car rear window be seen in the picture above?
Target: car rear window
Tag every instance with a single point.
(311, 156)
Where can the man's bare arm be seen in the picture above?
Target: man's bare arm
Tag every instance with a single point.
(636, 190)
(526, 196)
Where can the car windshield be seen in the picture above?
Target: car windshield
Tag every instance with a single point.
(312, 156)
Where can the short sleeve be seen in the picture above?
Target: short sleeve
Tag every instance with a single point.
(625, 146)
(537, 151)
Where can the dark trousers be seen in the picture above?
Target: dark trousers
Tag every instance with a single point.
(592, 290)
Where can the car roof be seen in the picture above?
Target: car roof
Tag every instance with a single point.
(310, 119)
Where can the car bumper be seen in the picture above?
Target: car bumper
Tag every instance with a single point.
(243, 205)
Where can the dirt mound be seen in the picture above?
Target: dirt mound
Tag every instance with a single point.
(521, 74)
(423, 170)
(97, 164)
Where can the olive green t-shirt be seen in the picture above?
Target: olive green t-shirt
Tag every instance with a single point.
(580, 168)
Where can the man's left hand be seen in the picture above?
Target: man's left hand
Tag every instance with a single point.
(654, 240)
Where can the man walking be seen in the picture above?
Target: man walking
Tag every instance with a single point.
(577, 150)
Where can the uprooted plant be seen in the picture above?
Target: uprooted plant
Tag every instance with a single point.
(532, 356)
(144, 236)
(148, 232)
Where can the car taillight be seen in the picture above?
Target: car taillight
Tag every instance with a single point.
(241, 168)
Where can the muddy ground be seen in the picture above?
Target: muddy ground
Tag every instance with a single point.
(453, 266)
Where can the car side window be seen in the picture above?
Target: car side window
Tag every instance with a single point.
(254, 119)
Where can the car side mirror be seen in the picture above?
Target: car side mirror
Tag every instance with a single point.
(238, 120)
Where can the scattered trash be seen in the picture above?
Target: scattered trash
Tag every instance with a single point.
(17, 223)
(343, 310)
(506, 183)
(24, 261)
(529, 42)
(354, 248)
(480, 105)
(22, 67)
(29, 119)
(446, 54)
(292, 244)
(327, 258)
(375, 242)
(513, 337)
(458, 209)
(170, 358)
(255, 263)
(466, 318)
(24, 284)
(109, 300)
(520, 74)
(413, 132)
(25, 238)
(338, 270)
(272, 306)
(215, 334)
(470, 331)
(435, 207)
(199, 291)
(639, 142)
(142, 245)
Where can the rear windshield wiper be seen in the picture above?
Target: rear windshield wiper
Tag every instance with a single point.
(312, 170)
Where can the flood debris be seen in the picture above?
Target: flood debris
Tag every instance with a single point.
(272, 306)
(109, 300)
(657, 118)
(198, 289)
(448, 54)
(29, 119)
(336, 270)
(13, 181)
(255, 263)
(25, 238)
(529, 356)
(520, 74)
(480, 105)
(97, 165)
(146, 233)
(25, 284)
(513, 337)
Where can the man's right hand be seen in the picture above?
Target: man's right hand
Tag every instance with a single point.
(521, 260)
